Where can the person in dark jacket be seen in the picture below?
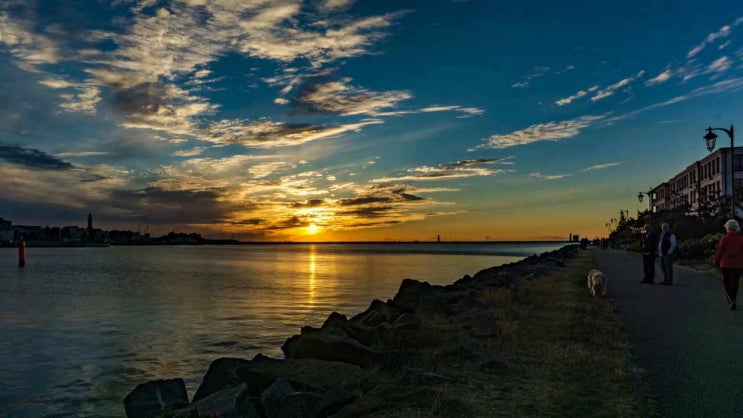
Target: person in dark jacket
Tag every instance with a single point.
(666, 249)
(649, 252)
(729, 256)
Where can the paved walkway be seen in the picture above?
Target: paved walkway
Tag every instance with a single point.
(684, 337)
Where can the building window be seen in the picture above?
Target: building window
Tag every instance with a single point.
(738, 162)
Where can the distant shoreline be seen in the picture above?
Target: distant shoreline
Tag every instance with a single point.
(55, 244)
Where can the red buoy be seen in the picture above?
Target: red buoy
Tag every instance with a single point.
(21, 254)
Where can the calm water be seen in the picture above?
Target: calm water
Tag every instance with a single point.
(81, 327)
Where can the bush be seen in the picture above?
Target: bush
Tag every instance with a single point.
(700, 248)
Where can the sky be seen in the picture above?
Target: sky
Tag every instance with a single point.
(343, 120)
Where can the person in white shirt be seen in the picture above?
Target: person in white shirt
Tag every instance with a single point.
(666, 249)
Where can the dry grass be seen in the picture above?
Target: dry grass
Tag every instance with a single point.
(557, 352)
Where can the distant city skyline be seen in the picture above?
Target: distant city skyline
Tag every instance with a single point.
(345, 120)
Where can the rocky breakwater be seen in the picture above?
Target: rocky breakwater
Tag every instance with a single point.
(383, 359)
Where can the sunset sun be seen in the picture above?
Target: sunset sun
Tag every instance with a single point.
(313, 229)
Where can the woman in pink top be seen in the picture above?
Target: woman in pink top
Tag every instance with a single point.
(729, 256)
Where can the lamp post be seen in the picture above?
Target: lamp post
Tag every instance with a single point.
(641, 195)
(710, 140)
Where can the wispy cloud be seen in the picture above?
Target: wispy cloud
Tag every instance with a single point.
(602, 166)
(725, 86)
(550, 131)
(712, 37)
(719, 65)
(581, 93)
(334, 5)
(459, 169)
(549, 176)
(32, 158)
(660, 78)
(268, 134)
(526, 81)
(609, 91)
(339, 97)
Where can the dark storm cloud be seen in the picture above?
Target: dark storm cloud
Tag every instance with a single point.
(155, 205)
(311, 203)
(32, 158)
(143, 99)
(325, 95)
(293, 222)
(369, 212)
(253, 221)
(381, 194)
(465, 163)
(365, 200)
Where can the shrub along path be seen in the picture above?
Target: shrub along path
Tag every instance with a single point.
(684, 337)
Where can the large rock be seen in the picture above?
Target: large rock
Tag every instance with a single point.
(304, 373)
(377, 313)
(233, 402)
(274, 396)
(297, 405)
(432, 308)
(323, 346)
(409, 293)
(391, 397)
(221, 375)
(153, 398)
(332, 400)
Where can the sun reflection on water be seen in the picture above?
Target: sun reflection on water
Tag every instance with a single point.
(312, 269)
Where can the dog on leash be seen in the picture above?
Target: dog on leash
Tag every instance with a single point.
(597, 282)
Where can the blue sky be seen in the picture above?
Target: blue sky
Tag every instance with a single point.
(352, 120)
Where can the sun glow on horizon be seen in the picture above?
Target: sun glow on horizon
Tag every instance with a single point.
(313, 229)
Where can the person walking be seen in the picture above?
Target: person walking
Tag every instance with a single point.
(729, 257)
(649, 251)
(666, 248)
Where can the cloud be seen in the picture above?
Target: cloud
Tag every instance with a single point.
(581, 93)
(189, 152)
(268, 134)
(459, 169)
(609, 91)
(694, 51)
(466, 111)
(30, 49)
(725, 86)
(601, 166)
(719, 65)
(712, 37)
(549, 177)
(550, 131)
(660, 78)
(81, 154)
(339, 97)
(266, 169)
(538, 71)
(159, 206)
(32, 158)
(334, 5)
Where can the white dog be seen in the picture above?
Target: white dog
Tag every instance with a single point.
(597, 280)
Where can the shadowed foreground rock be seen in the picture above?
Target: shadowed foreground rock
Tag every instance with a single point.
(374, 362)
(153, 398)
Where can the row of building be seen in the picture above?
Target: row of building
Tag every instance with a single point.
(68, 235)
(707, 178)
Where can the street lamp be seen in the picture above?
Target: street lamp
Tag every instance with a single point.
(710, 139)
(641, 195)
